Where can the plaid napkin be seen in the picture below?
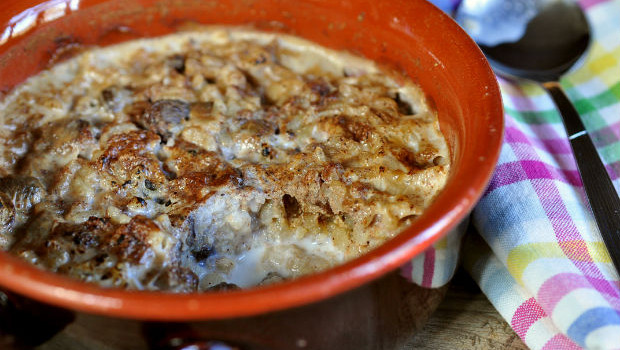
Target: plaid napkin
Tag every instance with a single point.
(539, 257)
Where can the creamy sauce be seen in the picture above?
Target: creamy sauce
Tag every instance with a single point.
(212, 159)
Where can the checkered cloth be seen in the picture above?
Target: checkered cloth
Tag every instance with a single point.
(539, 256)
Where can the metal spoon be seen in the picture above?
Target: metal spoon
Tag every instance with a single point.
(541, 40)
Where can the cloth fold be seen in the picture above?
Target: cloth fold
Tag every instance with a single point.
(540, 258)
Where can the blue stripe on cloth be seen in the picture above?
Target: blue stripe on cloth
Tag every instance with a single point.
(590, 321)
(502, 220)
(492, 276)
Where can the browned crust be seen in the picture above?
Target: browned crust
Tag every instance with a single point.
(124, 172)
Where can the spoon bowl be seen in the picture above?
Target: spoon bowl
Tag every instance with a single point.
(548, 56)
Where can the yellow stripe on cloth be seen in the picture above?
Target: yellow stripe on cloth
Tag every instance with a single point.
(442, 243)
(520, 257)
(599, 62)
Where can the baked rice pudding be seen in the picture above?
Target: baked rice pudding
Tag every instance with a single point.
(211, 160)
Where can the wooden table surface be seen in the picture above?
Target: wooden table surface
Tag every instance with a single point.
(464, 320)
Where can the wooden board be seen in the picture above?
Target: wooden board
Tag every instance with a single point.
(465, 320)
(402, 316)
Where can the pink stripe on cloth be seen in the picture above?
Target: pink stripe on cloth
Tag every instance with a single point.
(429, 267)
(613, 170)
(549, 131)
(607, 135)
(558, 286)
(561, 221)
(527, 151)
(555, 210)
(586, 4)
(506, 174)
(526, 315)
(525, 147)
(513, 172)
(567, 233)
(558, 145)
(542, 131)
(560, 341)
(520, 99)
(575, 249)
(548, 139)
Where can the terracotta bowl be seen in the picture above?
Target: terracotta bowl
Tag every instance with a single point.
(410, 36)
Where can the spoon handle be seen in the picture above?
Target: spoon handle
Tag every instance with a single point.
(597, 184)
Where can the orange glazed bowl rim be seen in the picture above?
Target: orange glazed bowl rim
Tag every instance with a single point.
(411, 36)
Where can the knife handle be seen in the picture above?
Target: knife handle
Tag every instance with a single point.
(597, 184)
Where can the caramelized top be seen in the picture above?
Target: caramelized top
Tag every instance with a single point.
(207, 160)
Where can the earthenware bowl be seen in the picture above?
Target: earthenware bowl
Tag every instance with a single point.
(412, 37)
